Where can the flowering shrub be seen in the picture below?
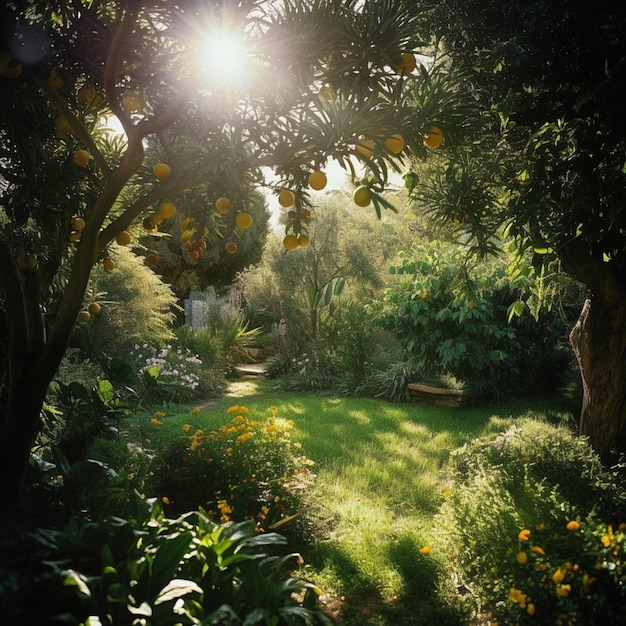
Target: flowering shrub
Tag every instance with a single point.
(548, 548)
(246, 469)
(172, 373)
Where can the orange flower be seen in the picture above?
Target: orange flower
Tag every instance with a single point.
(524, 534)
(165, 500)
(196, 410)
(426, 549)
(538, 550)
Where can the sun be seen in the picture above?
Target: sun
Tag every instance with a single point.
(222, 57)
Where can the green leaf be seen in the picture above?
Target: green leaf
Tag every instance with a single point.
(167, 559)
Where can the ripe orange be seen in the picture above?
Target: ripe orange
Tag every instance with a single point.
(89, 97)
(365, 147)
(434, 137)
(75, 236)
(362, 196)
(243, 221)
(167, 210)
(161, 171)
(94, 308)
(231, 247)
(156, 219)
(404, 63)
(132, 102)
(317, 180)
(194, 255)
(151, 259)
(395, 144)
(81, 158)
(290, 242)
(303, 240)
(123, 238)
(63, 126)
(9, 67)
(223, 205)
(286, 198)
(84, 316)
(78, 223)
(108, 264)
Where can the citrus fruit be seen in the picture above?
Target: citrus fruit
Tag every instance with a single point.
(434, 137)
(156, 219)
(362, 196)
(123, 238)
(161, 171)
(365, 147)
(243, 220)
(63, 126)
(290, 242)
(167, 210)
(231, 247)
(303, 240)
(108, 264)
(26, 261)
(194, 255)
(395, 144)
(81, 157)
(78, 223)
(286, 198)
(151, 259)
(317, 180)
(306, 213)
(404, 63)
(75, 236)
(9, 67)
(131, 102)
(88, 96)
(186, 235)
(223, 205)
(84, 316)
(94, 308)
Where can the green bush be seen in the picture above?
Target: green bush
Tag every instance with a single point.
(534, 527)
(246, 469)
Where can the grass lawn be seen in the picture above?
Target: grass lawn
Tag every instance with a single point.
(380, 480)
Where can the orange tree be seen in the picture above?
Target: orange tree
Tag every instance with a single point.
(552, 171)
(309, 80)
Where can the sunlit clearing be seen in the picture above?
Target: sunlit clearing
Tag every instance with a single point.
(222, 58)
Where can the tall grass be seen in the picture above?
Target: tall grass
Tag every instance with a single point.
(380, 481)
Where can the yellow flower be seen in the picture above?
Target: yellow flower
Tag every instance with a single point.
(186, 427)
(563, 590)
(572, 525)
(538, 550)
(196, 410)
(530, 609)
(426, 549)
(233, 409)
(229, 451)
(273, 410)
(606, 541)
(159, 414)
(524, 534)
(521, 558)
(156, 422)
(558, 576)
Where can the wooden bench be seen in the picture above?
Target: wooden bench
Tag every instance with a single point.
(451, 398)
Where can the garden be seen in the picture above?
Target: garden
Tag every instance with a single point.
(312, 313)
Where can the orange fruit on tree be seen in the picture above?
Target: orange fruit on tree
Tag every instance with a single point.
(108, 264)
(132, 101)
(84, 316)
(151, 259)
(286, 198)
(186, 235)
(231, 247)
(404, 63)
(362, 196)
(156, 219)
(223, 205)
(9, 67)
(317, 180)
(395, 143)
(75, 236)
(434, 137)
(290, 242)
(365, 147)
(89, 97)
(123, 238)
(194, 255)
(243, 220)
(162, 171)
(63, 126)
(26, 262)
(306, 213)
(303, 240)
(78, 223)
(81, 158)
(94, 308)
(167, 210)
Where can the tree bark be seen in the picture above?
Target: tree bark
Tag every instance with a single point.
(599, 343)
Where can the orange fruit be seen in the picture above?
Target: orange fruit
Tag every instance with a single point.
(303, 240)
(404, 63)
(434, 137)
(290, 242)
(194, 255)
(81, 158)
(167, 210)
(186, 235)
(156, 219)
(395, 143)
(231, 247)
(286, 198)
(26, 261)
(317, 180)
(306, 213)
(132, 102)
(161, 171)
(108, 264)
(243, 221)
(94, 308)
(78, 223)
(123, 238)
(84, 316)
(362, 196)
(151, 259)
(63, 126)
(223, 205)
(9, 67)
(365, 147)
(75, 236)
(89, 97)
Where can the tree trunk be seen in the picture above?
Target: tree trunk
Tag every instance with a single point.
(599, 343)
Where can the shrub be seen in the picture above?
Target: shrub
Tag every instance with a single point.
(547, 548)
(246, 469)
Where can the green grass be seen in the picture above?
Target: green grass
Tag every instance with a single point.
(380, 480)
